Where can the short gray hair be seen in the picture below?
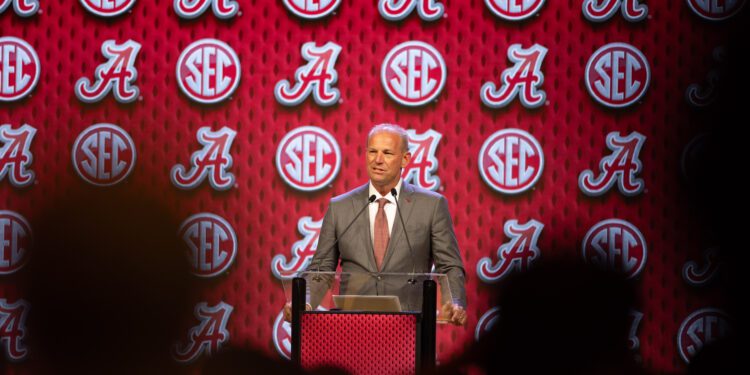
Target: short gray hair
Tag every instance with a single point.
(391, 128)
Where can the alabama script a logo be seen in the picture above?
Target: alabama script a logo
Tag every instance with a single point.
(212, 162)
(116, 75)
(521, 80)
(516, 255)
(635, 322)
(602, 10)
(621, 167)
(316, 77)
(302, 250)
(420, 170)
(15, 156)
(396, 10)
(699, 95)
(23, 8)
(13, 328)
(699, 275)
(189, 9)
(208, 336)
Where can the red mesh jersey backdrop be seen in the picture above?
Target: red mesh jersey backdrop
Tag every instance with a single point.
(553, 130)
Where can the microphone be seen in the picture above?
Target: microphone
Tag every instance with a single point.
(369, 200)
(403, 226)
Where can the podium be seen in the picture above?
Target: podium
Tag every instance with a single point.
(366, 323)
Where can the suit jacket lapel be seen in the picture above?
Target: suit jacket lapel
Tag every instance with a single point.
(406, 203)
(363, 224)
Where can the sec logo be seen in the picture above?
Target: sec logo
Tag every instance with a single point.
(19, 69)
(701, 328)
(617, 245)
(511, 161)
(716, 10)
(103, 154)
(617, 75)
(282, 334)
(308, 158)
(211, 242)
(15, 242)
(514, 10)
(23, 8)
(413, 73)
(486, 323)
(311, 9)
(208, 71)
(107, 8)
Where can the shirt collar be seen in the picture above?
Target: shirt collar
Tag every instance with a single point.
(388, 196)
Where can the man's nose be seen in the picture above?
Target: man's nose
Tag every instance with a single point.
(379, 158)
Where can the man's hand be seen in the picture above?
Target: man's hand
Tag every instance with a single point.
(288, 311)
(455, 314)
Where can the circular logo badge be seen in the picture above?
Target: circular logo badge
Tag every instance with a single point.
(19, 69)
(511, 161)
(211, 242)
(15, 242)
(107, 8)
(700, 328)
(413, 73)
(486, 322)
(514, 10)
(617, 245)
(103, 154)
(716, 10)
(617, 75)
(208, 71)
(308, 158)
(311, 9)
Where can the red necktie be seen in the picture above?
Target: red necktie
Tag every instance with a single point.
(381, 233)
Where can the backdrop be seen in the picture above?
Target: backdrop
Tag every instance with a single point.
(554, 129)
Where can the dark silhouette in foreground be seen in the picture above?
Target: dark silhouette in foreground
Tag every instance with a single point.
(557, 318)
(108, 282)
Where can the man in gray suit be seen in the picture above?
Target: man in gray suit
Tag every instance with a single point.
(376, 242)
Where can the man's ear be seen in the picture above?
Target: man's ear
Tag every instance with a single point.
(405, 161)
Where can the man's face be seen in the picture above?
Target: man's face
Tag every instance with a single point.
(385, 159)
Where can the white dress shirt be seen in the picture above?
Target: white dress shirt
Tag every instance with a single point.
(390, 209)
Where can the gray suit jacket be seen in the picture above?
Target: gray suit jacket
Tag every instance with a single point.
(431, 234)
